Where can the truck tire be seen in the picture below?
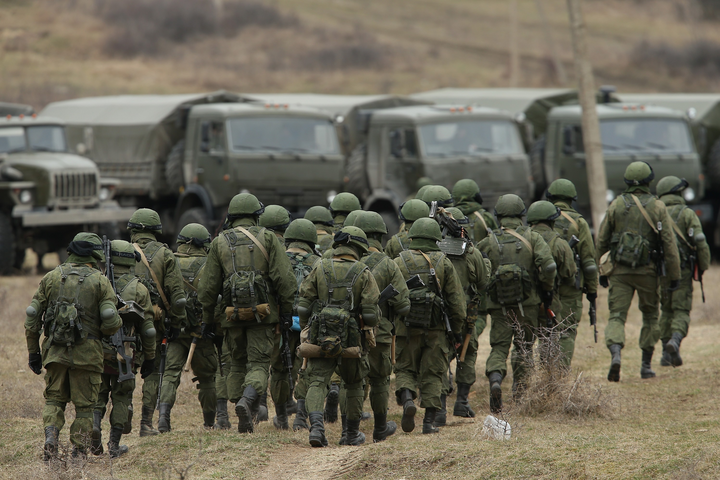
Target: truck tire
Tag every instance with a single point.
(537, 165)
(193, 215)
(712, 168)
(356, 171)
(8, 252)
(174, 175)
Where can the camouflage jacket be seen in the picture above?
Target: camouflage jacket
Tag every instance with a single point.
(302, 260)
(692, 242)
(571, 223)
(561, 252)
(191, 261)
(397, 243)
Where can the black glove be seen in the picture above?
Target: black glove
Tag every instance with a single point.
(604, 281)
(674, 285)
(546, 296)
(218, 340)
(35, 363)
(458, 339)
(286, 321)
(147, 368)
(173, 334)
(207, 331)
(591, 297)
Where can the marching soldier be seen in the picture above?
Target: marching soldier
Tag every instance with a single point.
(466, 195)
(409, 212)
(323, 221)
(341, 206)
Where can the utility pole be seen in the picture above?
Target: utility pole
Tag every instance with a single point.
(514, 48)
(550, 44)
(594, 163)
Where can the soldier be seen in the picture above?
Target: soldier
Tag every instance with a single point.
(385, 272)
(248, 266)
(409, 212)
(466, 195)
(74, 306)
(300, 240)
(322, 218)
(523, 276)
(138, 325)
(562, 193)
(193, 243)
(541, 216)
(424, 343)
(275, 218)
(341, 205)
(159, 272)
(638, 233)
(338, 307)
(474, 273)
(439, 194)
(694, 256)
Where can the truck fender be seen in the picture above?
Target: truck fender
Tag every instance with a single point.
(194, 196)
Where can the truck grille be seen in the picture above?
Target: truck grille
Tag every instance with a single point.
(75, 188)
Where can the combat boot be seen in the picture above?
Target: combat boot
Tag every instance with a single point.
(495, 379)
(291, 406)
(243, 409)
(646, 370)
(223, 421)
(164, 418)
(441, 415)
(209, 420)
(127, 428)
(354, 436)
(146, 426)
(331, 403)
(665, 359)
(262, 410)
(673, 349)
(614, 373)
(51, 443)
(114, 446)
(429, 421)
(462, 405)
(96, 447)
(343, 435)
(383, 428)
(281, 418)
(300, 422)
(409, 410)
(317, 430)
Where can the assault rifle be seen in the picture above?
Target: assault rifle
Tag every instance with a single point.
(287, 357)
(593, 318)
(573, 243)
(388, 293)
(447, 223)
(661, 252)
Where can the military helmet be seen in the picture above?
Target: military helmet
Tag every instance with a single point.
(562, 188)
(639, 173)
(671, 184)
(413, 209)
(275, 217)
(344, 202)
(123, 253)
(319, 214)
(542, 211)
(301, 230)
(371, 222)
(423, 182)
(245, 205)
(421, 191)
(352, 217)
(466, 189)
(458, 215)
(509, 205)
(87, 244)
(426, 228)
(353, 236)
(439, 194)
(145, 219)
(196, 234)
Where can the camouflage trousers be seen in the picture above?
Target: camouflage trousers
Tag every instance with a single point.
(622, 290)
(569, 318)
(504, 332)
(121, 395)
(221, 379)
(421, 361)
(279, 384)
(251, 349)
(150, 384)
(352, 371)
(64, 384)
(204, 364)
(676, 306)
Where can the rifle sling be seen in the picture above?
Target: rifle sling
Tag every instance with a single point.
(154, 277)
(484, 223)
(644, 213)
(519, 237)
(570, 219)
(255, 241)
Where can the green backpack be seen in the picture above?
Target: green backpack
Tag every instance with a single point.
(511, 283)
(64, 317)
(632, 249)
(425, 302)
(191, 268)
(334, 328)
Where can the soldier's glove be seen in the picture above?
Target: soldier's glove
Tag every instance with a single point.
(35, 363)
(173, 334)
(591, 297)
(207, 331)
(458, 340)
(547, 296)
(286, 321)
(604, 281)
(147, 368)
(218, 340)
(674, 285)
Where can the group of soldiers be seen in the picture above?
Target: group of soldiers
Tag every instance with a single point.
(315, 311)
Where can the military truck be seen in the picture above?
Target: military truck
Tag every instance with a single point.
(47, 195)
(186, 156)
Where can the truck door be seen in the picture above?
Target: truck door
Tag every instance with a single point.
(212, 161)
(401, 159)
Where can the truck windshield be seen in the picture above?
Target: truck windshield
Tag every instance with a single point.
(474, 137)
(12, 139)
(632, 136)
(283, 134)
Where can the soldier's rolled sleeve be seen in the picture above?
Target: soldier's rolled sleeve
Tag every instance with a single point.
(210, 285)
(281, 274)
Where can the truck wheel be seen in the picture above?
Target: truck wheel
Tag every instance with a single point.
(174, 167)
(713, 166)
(193, 215)
(8, 253)
(537, 164)
(357, 173)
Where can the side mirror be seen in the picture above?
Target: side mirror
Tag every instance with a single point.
(568, 145)
(205, 137)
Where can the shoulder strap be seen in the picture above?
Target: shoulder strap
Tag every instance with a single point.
(570, 219)
(152, 274)
(255, 241)
(484, 223)
(677, 230)
(644, 213)
(433, 273)
(519, 237)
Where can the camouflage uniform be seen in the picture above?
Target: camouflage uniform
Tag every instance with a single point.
(409, 212)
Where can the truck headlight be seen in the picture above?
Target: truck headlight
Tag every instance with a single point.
(689, 194)
(25, 196)
(609, 196)
(104, 194)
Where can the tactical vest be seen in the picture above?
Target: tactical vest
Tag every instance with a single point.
(426, 302)
(512, 282)
(191, 267)
(633, 243)
(150, 250)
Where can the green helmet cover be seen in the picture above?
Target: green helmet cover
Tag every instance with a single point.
(319, 214)
(413, 209)
(87, 244)
(639, 173)
(466, 189)
(421, 191)
(275, 217)
(351, 217)
(458, 215)
(371, 222)
(344, 202)
(301, 230)
(542, 211)
(426, 228)
(123, 253)
(509, 205)
(245, 205)
(196, 234)
(145, 219)
(439, 194)
(562, 188)
(353, 236)
(671, 184)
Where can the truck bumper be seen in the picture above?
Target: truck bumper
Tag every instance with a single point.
(78, 216)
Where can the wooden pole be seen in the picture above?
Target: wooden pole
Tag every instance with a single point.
(550, 45)
(595, 166)
(514, 48)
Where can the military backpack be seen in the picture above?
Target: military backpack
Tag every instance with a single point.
(426, 301)
(67, 321)
(191, 268)
(512, 284)
(630, 247)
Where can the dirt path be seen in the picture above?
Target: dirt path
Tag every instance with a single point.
(300, 463)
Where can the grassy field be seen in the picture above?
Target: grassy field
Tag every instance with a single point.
(667, 427)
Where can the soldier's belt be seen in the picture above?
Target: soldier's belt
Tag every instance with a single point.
(234, 314)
